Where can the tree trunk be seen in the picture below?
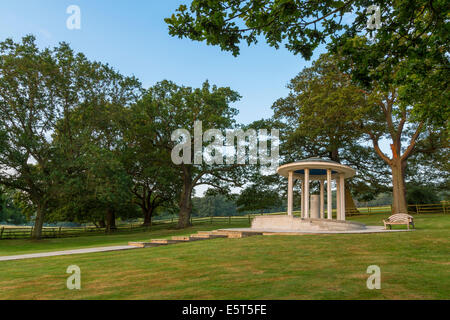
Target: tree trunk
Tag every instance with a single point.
(110, 220)
(148, 215)
(399, 204)
(102, 224)
(184, 217)
(38, 223)
(350, 207)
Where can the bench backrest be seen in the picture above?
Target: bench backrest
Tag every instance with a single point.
(400, 217)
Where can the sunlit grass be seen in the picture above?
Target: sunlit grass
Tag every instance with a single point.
(414, 265)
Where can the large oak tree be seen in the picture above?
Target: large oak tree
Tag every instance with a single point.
(176, 107)
(38, 91)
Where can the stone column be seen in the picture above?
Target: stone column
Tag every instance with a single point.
(303, 199)
(307, 193)
(338, 199)
(342, 183)
(290, 192)
(329, 196)
(322, 200)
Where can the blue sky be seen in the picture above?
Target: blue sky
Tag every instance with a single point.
(133, 37)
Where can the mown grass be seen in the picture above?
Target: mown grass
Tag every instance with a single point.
(414, 265)
(24, 246)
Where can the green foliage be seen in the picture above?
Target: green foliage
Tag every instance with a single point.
(422, 194)
(409, 51)
(9, 212)
(40, 89)
(325, 115)
(213, 206)
(172, 107)
(227, 23)
(258, 197)
(155, 181)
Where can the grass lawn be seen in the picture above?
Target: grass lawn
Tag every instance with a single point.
(24, 246)
(414, 265)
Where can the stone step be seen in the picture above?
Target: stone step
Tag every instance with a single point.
(144, 244)
(164, 241)
(207, 236)
(201, 235)
(205, 232)
(181, 238)
(229, 234)
(186, 238)
(238, 234)
(223, 233)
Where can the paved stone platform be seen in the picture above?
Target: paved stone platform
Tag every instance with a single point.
(268, 231)
(64, 253)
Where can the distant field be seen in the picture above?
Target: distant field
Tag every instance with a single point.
(414, 265)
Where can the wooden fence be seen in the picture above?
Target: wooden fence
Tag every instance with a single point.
(442, 207)
(60, 232)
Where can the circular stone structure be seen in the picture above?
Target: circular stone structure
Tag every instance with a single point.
(313, 169)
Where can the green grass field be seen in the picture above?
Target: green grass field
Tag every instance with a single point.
(414, 265)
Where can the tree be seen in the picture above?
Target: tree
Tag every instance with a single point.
(318, 119)
(9, 212)
(95, 180)
(212, 205)
(428, 164)
(333, 114)
(262, 194)
(422, 194)
(176, 107)
(388, 117)
(155, 181)
(413, 39)
(39, 88)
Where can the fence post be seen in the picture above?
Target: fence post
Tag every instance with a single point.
(60, 231)
(31, 232)
(191, 220)
(1, 233)
(211, 218)
(229, 219)
(249, 220)
(443, 207)
(417, 209)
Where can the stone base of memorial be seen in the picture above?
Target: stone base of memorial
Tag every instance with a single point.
(290, 223)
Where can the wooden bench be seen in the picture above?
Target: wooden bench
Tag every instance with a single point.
(399, 218)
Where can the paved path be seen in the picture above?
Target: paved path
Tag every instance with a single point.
(64, 253)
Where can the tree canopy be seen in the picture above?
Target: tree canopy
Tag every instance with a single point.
(39, 89)
(413, 38)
